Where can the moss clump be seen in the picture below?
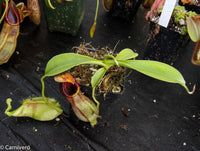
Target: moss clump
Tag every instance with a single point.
(179, 13)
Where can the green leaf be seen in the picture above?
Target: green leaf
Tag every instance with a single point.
(157, 70)
(193, 27)
(126, 54)
(66, 61)
(97, 77)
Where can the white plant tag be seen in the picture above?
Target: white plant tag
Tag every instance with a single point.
(167, 12)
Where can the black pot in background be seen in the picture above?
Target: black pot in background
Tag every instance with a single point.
(164, 44)
(125, 9)
(190, 7)
(67, 17)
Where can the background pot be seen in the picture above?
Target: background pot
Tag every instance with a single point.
(125, 9)
(191, 7)
(164, 44)
(66, 17)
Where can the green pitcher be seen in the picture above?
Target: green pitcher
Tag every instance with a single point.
(66, 17)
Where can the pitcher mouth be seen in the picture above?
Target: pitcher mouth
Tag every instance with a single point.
(12, 14)
(70, 89)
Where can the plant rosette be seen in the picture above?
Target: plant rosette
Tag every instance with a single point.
(113, 81)
(64, 16)
(164, 44)
(191, 5)
(125, 9)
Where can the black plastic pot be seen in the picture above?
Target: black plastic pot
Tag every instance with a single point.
(164, 44)
(191, 7)
(125, 9)
(66, 17)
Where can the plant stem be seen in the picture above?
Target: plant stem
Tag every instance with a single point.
(43, 87)
(97, 8)
(93, 96)
(110, 56)
(48, 4)
(93, 28)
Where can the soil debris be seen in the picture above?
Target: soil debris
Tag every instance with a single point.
(124, 127)
(106, 123)
(125, 112)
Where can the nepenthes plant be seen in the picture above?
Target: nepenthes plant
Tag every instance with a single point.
(9, 32)
(84, 108)
(11, 17)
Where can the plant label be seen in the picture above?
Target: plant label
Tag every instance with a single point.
(167, 12)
